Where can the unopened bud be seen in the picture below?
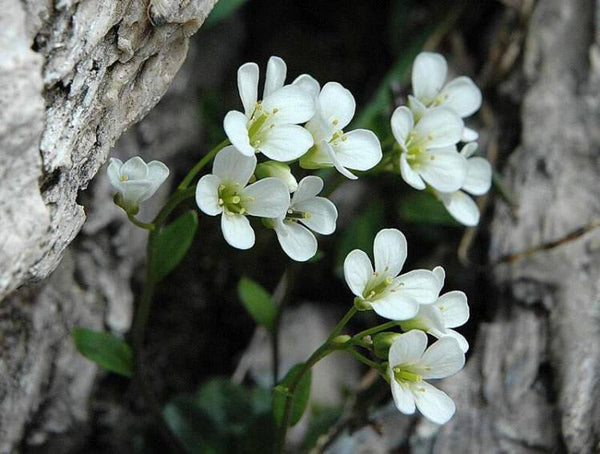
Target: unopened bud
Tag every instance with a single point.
(277, 170)
(382, 343)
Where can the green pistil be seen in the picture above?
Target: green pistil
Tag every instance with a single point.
(406, 376)
(295, 215)
(372, 292)
(230, 200)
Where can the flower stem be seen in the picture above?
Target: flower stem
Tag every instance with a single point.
(200, 165)
(375, 329)
(318, 354)
(140, 224)
(364, 359)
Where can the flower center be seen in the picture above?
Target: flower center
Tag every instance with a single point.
(296, 215)
(416, 146)
(337, 136)
(403, 374)
(230, 200)
(258, 124)
(377, 286)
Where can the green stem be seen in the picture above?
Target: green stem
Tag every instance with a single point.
(200, 165)
(319, 354)
(364, 359)
(375, 329)
(140, 224)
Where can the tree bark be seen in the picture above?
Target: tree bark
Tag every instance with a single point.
(74, 75)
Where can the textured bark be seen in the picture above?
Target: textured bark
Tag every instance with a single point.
(533, 382)
(73, 76)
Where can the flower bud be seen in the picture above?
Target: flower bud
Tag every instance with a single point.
(382, 343)
(277, 170)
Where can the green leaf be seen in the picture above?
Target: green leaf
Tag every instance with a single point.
(258, 302)
(424, 208)
(300, 399)
(321, 422)
(172, 243)
(191, 426)
(228, 405)
(104, 349)
(222, 10)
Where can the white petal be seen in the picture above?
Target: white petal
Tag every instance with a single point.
(422, 285)
(360, 150)
(390, 250)
(357, 271)
(440, 273)
(135, 169)
(267, 198)
(396, 306)
(323, 215)
(431, 316)
(247, 77)
(133, 191)
(286, 142)
(416, 107)
(454, 308)
(443, 168)
(332, 155)
(402, 123)
(308, 84)
(469, 135)
(428, 75)
(207, 194)
(114, 173)
(236, 127)
(434, 404)
(409, 175)
(462, 207)
(462, 342)
(231, 166)
(403, 398)
(275, 77)
(468, 149)
(308, 188)
(442, 359)
(157, 174)
(296, 241)
(237, 231)
(441, 127)
(479, 176)
(462, 96)
(293, 104)
(336, 105)
(407, 348)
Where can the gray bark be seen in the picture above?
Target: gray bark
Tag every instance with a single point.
(74, 75)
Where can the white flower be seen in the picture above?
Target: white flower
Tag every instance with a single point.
(449, 311)
(410, 364)
(225, 192)
(305, 210)
(358, 149)
(477, 182)
(135, 181)
(389, 295)
(429, 152)
(270, 126)
(461, 94)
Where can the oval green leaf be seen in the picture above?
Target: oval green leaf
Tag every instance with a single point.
(105, 350)
(299, 399)
(258, 302)
(172, 243)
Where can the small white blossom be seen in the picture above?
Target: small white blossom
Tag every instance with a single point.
(449, 311)
(335, 106)
(306, 212)
(389, 295)
(429, 154)
(461, 94)
(136, 181)
(477, 182)
(270, 126)
(226, 192)
(410, 365)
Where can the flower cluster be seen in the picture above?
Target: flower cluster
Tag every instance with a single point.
(428, 132)
(299, 121)
(412, 299)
